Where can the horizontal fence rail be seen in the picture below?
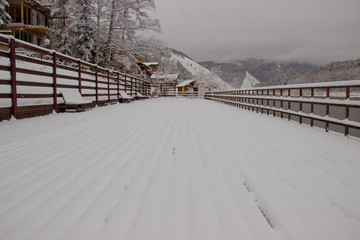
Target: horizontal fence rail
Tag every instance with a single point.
(333, 105)
(163, 89)
(193, 94)
(32, 79)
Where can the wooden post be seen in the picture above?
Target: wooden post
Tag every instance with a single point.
(281, 103)
(347, 110)
(300, 105)
(80, 87)
(312, 108)
(131, 86)
(96, 85)
(118, 87)
(54, 82)
(289, 104)
(13, 78)
(125, 83)
(108, 82)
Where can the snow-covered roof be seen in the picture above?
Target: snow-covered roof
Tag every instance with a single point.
(172, 76)
(185, 83)
(151, 63)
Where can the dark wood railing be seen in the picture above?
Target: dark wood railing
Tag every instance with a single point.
(32, 78)
(332, 105)
(164, 89)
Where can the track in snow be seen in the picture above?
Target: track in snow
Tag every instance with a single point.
(175, 169)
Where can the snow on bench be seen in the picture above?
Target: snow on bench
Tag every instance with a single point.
(74, 100)
(125, 97)
(140, 96)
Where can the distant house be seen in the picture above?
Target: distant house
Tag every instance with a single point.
(133, 63)
(30, 20)
(187, 86)
(152, 65)
(165, 78)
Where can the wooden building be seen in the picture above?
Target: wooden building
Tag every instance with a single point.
(30, 20)
(187, 86)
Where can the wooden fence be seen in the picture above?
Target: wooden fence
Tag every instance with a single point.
(333, 106)
(32, 78)
(164, 89)
(193, 94)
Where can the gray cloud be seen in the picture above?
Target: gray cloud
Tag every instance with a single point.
(304, 30)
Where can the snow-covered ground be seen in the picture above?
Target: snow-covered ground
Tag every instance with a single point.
(175, 169)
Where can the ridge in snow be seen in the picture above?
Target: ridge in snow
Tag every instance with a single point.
(249, 81)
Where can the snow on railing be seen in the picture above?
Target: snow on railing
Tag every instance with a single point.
(32, 77)
(330, 105)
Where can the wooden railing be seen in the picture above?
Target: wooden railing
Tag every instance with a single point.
(193, 94)
(333, 105)
(164, 89)
(32, 78)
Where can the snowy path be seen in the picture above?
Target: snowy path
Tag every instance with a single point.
(175, 169)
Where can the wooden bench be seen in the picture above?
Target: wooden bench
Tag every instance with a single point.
(74, 101)
(139, 96)
(124, 97)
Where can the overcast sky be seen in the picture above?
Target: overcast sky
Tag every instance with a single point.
(317, 31)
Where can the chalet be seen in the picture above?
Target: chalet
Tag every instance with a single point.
(165, 78)
(152, 65)
(30, 20)
(187, 86)
(133, 63)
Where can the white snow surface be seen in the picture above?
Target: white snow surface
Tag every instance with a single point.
(249, 81)
(175, 169)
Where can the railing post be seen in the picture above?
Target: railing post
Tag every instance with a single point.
(13, 78)
(281, 103)
(108, 82)
(347, 110)
(118, 87)
(96, 85)
(131, 86)
(312, 108)
(54, 82)
(125, 80)
(300, 105)
(79, 73)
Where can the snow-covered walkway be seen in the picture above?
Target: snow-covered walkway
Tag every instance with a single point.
(168, 169)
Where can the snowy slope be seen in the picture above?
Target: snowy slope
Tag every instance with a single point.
(249, 81)
(200, 72)
(175, 169)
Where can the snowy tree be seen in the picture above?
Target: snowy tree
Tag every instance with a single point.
(84, 29)
(128, 18)
(100, 11)
(4, 16)
(61, 23)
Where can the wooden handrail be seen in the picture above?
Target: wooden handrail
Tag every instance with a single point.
(56, 71)
(271, 100)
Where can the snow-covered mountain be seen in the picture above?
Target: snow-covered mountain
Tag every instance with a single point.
(265, 71)
(173, 61)
(249, 81)
(199, 72)
(335, 71)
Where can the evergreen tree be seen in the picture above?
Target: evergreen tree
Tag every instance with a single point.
(4, 16)
(83, 46)
(61, 24)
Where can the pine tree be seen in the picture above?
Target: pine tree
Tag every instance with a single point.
(84, 29)
(4, 16)
(61, 38)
